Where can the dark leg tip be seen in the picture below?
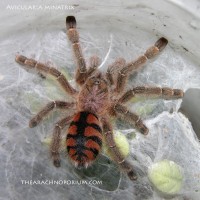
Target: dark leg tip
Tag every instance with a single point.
(145, 130)
(132, 175)
(20, 59)
(70, 22)
(141, 127)
(161, 43)
(56, 163)
(178, 93)
(32, 123)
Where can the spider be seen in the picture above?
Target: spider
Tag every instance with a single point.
(100, 97)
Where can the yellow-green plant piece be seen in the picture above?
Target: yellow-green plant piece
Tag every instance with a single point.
(166, 176)
(121, 142)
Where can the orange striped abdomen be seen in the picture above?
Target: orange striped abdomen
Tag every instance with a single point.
(84, 139)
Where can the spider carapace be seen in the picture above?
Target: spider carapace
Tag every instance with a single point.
(100, 96)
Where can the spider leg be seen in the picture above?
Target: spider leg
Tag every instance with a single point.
(45, 111)
(118, 64)
(42, 68)
(123, 113)
(56, 140)
(132, 66)
(155, 92)
(72, 33)
(118, 158)
(93, 65)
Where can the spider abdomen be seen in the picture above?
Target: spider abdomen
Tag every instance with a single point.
(84, 139)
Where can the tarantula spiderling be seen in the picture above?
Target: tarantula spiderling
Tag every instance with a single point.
(101, 96)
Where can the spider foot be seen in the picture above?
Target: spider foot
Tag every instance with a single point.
(70, 22)
(141, 127)
(56, 163)
(33, 122)
(132, 175)
(161, 43)
(20, 59)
